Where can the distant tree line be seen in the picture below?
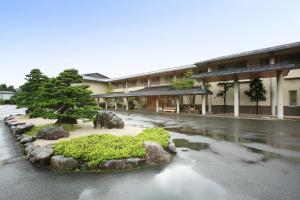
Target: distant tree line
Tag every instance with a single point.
(4, 87)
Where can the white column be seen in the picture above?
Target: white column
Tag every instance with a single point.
(115, 103)
(177, 105)
(126, 103)
(106, 106)
(148, 81)
(126, 86)
(273, 88)
(279, 95)
(203, 104)
(209, 102)
(157, 103)
(236, 97)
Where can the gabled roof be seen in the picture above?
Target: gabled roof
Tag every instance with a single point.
(157, 91)
(95, 77)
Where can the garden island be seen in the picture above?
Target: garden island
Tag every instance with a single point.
(64, 128)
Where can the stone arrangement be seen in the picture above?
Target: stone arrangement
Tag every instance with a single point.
(44, 154)
(108, 119)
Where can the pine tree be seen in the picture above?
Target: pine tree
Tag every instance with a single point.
(66, 99)
(29, 91)
(223, 93)
(256, 92)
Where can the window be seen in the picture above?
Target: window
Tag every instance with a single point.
(144, 82)
(293, 97)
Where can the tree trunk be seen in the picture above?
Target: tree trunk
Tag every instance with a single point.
(256, 107)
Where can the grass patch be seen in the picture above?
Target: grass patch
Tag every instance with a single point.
(36, 129)
(96, 149)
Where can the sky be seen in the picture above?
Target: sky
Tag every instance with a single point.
(125, 37)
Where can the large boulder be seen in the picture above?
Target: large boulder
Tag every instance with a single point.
(129, 163)
(20, 129)
(52, 133)
(155, 154)
(61, 163)
(108, 119)
(40, 154)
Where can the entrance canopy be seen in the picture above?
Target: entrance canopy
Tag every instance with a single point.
(156, 91)
(245, 72)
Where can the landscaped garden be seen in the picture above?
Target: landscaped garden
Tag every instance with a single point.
(61, 130)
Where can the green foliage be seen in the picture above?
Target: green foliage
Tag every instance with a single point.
(223, 92)
(96, 149)
(66, 127)
(256, 92)
(4, 87)
(64, 98)
(131, 103)
(29, 91)
(185, 83)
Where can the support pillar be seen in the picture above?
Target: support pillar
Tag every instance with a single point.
(209, 103)
(236, 95)
(177, 105)
(126, 103)
(273, 88)
(115, 103)
(157, 103)
(203, 104)
(279, 94)
(106, 106)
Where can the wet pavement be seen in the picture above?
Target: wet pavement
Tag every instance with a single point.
(218, 158)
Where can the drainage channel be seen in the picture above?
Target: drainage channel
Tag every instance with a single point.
(11, 160)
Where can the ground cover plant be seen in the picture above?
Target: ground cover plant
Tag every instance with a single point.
(96, 149)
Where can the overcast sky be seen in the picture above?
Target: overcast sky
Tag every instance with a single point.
(118, 38)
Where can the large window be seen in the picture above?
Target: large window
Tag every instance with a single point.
(155, 81)
(293, 97)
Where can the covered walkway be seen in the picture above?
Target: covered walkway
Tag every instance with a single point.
(153, 95)
(274, 71)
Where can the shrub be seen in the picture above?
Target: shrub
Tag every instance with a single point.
(96, 149)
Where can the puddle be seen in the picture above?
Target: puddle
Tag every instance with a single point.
(197, 146)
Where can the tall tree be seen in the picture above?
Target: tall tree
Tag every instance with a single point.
(223, 93)
(185, 83)
(256, 92)
(29, 91)
(66, 99)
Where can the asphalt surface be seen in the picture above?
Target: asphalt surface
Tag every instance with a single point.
(217, 159)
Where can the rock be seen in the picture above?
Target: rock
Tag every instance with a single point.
(40, 154)
(20, 129)
(52, 133)
(61, 163)
(28, 144)
(19, 137)
(27, 140)
(15, 123)
(108, 119)
(172, 146)
(155, 154)
(11, 117)
(129, 163)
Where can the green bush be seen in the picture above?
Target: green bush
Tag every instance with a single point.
(36, 129)
(96, 149)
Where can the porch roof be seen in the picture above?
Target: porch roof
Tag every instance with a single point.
(156, 91)
(246, 72)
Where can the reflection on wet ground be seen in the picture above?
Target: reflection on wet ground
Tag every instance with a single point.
(197, 146)
(226, 159)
